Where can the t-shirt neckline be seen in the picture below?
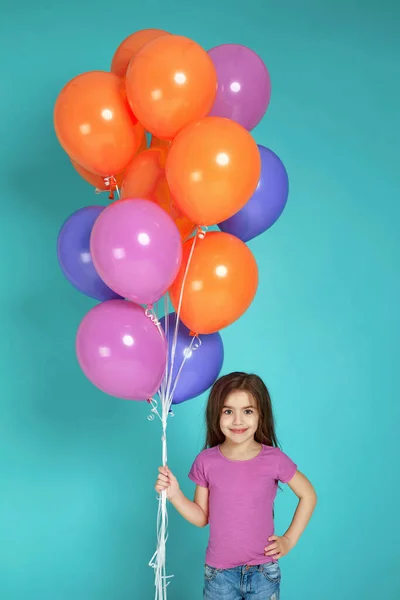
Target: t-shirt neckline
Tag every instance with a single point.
(249, 460)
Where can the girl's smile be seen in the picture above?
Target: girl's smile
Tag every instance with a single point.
(239, 418)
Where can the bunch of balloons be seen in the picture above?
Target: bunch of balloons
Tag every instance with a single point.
(202, 168)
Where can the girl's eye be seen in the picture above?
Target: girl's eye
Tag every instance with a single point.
(227, 412)
(248, 411)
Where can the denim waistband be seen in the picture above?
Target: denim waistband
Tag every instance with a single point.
(245, 568)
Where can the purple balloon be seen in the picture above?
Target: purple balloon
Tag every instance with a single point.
(121, 351)
(136, 249)
(266, 204)
(244, 85)
(73, 251)
(202, 366)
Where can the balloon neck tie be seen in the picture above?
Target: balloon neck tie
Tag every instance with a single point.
(111, 186)
(154, 412)
(150, 314)
(196, 342)
(201, 232)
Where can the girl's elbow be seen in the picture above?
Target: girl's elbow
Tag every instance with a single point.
(203, 523)
(313, 497)
(310, 497)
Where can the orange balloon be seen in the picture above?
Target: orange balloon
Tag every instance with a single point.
(213, 168)
(170, 83)
(157, 143)
(131, 46)
(95, 125)
(145, 178)
(220, 285)
(107, 183)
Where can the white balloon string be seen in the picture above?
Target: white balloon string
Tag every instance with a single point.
(158, 560)
(199, 233)
(166, 392)
(194, 345)
(150, 314)
(154, 409)
(166, 329)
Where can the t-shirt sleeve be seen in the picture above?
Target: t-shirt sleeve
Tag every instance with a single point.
(286, 467)
(197, 473)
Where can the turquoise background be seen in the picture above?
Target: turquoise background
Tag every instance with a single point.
(77, 506)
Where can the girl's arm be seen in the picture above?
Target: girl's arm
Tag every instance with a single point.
(305, 492)
(195, 512)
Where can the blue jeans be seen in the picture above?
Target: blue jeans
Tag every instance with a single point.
(261, 582)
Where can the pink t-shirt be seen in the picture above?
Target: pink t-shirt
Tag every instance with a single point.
(241, 502)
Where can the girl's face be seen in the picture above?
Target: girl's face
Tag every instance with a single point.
(239, 418)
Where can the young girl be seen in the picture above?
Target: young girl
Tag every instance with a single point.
(236, 479)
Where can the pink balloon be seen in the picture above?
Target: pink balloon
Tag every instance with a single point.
(244, 85)
(121, 351)
(136, 249)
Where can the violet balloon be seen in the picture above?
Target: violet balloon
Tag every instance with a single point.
(121, 351)
(202, 366)
(244, 85)
(136, 249)
(73, 251)
(266, 204)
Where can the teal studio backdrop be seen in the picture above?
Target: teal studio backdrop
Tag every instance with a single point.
(77, 505)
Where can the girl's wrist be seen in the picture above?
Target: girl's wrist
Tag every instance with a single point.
(174, 497)
(291, 541)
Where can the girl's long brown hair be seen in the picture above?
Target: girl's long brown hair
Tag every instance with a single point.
(253, 385)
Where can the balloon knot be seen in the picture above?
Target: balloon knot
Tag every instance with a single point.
(112, 185)
(201, 232)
